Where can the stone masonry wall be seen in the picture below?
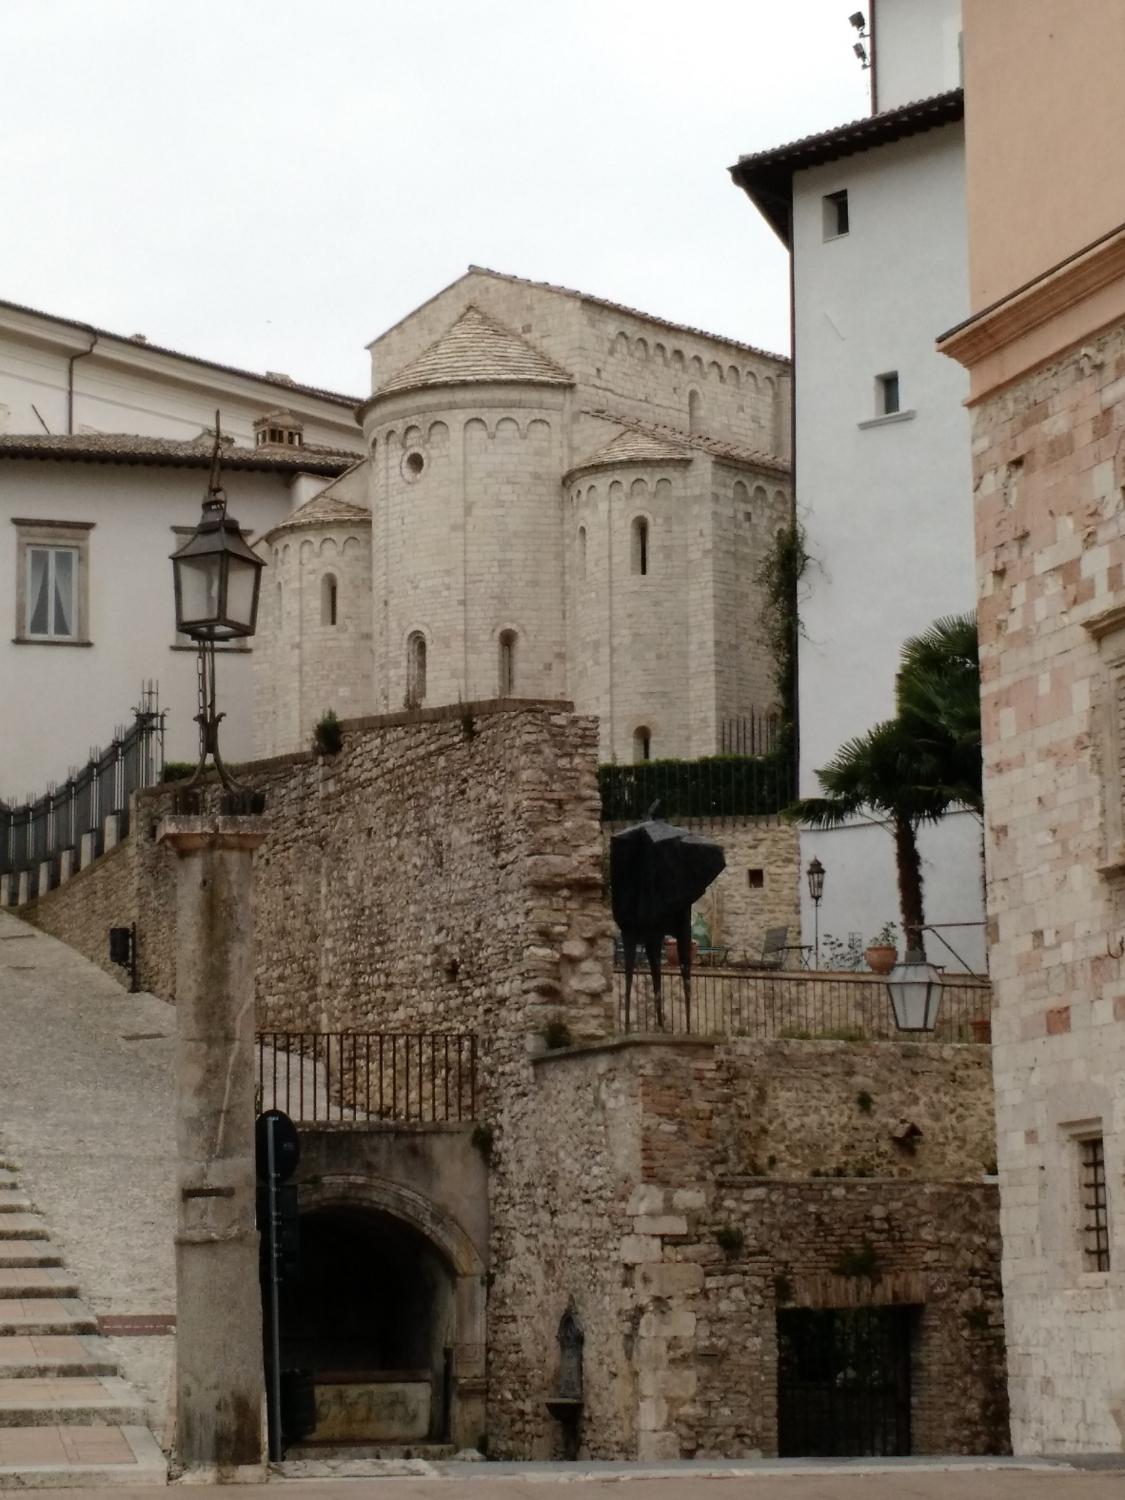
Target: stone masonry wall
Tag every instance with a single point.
(82, 911)
(1048, 472)
(678, 1248)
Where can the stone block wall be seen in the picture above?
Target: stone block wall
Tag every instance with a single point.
(1048, 473)
(82, 911)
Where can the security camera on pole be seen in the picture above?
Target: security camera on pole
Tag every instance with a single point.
(219, 1384)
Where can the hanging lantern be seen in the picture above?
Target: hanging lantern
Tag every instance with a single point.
(915, 990)
(217, 577)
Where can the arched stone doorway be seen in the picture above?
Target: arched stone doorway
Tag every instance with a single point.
(388, 1315)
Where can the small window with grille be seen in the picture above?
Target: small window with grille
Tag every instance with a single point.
(1095, 1210)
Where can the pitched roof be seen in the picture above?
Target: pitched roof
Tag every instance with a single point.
(767, 176)
(634, 447)
(476, 348)
(618, 307)
(701, 442)
(323, 510)
(269, 378)
(194, 453)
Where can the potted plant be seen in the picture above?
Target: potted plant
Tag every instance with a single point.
(882, 951)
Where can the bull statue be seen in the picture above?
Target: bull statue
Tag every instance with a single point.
(656, 872)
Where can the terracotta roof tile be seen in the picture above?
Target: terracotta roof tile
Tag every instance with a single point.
(476, 348)
(634, 447)
(194, 453)
(324, 510)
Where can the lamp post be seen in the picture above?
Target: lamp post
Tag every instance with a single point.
(815, 875)
(914, 987)
(217, 579)
(219, 1378)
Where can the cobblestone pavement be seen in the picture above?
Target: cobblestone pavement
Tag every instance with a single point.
(496, 1482)
(86, 1109)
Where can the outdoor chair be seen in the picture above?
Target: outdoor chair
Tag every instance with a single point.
(774, 949)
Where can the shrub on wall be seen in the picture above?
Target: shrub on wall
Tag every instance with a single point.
(714, 786)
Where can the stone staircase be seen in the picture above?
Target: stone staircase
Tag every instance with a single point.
(66, 1416)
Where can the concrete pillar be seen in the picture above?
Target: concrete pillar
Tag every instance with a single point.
(111, 832)
(7, 889)
(66, 865)
(89, 845)
(23, 895)
(219, 1380)
(44, 885)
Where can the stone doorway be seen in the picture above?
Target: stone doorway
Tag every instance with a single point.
(373, 1319)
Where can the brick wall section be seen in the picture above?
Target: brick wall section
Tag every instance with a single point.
(82, 911)
(680, 1351)
(1051, 564)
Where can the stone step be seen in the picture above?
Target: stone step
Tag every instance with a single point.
(22, 1227)
(18, 1253)
(55, 1354)
(66, 1457)
(12, 1201)
(76, 1400)
(36, 1281)
(36, 1315)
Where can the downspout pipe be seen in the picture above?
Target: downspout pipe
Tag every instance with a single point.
(74, 358)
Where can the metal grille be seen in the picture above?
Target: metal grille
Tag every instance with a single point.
(1095, 1215)
(843, 1382)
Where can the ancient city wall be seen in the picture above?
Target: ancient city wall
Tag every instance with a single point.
(82, 910)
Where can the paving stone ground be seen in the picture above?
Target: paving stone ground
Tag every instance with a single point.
(86, 1111)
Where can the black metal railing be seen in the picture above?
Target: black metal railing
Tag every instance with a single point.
(755, 776)
(37, 831)
(797, 1006)
(348, 1077)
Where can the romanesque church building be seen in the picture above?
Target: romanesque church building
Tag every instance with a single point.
(561, 498)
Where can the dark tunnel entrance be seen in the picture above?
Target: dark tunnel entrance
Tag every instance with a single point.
(373, 1319)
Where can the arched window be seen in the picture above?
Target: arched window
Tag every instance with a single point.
(415, 669)
(507, 663)
(642, 743)
(640, 546)
(694, 411)
(328, 596)
(581, 551)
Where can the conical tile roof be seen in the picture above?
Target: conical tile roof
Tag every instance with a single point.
(635, 448)
(476, 349)
(324, 510)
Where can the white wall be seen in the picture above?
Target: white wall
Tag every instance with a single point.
(58, 700)
(917, 49)
(888, 508)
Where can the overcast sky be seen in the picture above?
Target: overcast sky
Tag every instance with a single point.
(271, 183)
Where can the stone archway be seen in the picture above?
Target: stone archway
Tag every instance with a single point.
(417, 1300)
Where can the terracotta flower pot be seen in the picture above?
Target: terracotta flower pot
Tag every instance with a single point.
(880, 958)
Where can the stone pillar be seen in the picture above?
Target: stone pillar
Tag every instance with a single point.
(66, 866)
(45, 871)
(219, 1380)
(111, 832)
(87, 849)
(7, 887)
(23, 895)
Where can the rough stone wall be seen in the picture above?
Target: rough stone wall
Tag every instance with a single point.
(677, 1258)
(82, 911)
(1051, 564)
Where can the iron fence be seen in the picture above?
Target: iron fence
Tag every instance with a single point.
(793, 1005)
(347, 1077)
(37, 831)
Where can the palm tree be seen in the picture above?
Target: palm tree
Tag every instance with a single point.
(913, 768)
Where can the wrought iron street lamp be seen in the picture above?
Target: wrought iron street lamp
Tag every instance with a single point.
(217, 578)
(815, 875)
(915, 990)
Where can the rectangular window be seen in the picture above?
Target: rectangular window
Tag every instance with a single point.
(52, 581)
(1095, 1209)
(886, 394)
(835, 215)
(52, 593)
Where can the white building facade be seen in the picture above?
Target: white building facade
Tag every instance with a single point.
(873, 214)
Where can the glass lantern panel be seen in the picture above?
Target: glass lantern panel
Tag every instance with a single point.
(199, 589)
(241, 579)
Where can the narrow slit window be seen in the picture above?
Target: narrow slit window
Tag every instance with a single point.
(581, 551)
(835, 215)
(642, 744)
(329, 593)
(1095, 1207)
(640, 547)
(507, 663)
(887, 394)
(416, 670)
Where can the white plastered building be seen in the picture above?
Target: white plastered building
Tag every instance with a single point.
(873, 214)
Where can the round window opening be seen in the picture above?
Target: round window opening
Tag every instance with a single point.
(414, 463)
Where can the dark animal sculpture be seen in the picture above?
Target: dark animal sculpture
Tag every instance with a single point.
(656, 872)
